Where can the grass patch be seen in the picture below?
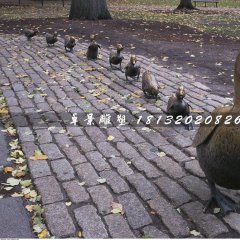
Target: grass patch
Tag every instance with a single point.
(223, 23)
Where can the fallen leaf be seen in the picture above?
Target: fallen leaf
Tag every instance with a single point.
(161, 154)
(195, 233)
(110, 138)
(101, 180)
(38, 155)
(29, 208)
(43, 234)
(117, 208)
(8, 169)
(13, 181)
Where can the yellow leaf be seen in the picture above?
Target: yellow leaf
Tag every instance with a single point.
(110, 138)
(8, 169)
(43, 234)
(29, 208)
(3, 111)
(79, 234)
(38, 156)
(135, 95)
(117, 208)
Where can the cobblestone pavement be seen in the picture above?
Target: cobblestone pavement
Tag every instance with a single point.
(162, 195)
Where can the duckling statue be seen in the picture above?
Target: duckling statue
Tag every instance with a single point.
(69, 43)
(116, 58)
(92, 52)
(178, 107)
(29, 33)
(131, 70)
(149, 85)
(51, 38)
(218, 150)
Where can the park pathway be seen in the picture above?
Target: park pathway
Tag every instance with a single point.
(151, 170)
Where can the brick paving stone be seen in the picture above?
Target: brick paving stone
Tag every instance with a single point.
(137, 215)
(174, 153)
(121, 166)
(144, 166)
(194, 168)
(191, 151)
(39, 168)
(76, 192)
(181, 141)
(196, 186)
(146, 150)
(85, 144)
(74, 155)
(95, 134)
(233, 220)
(117, 184)
(208, 224)
(153, 232)
(43, 136)
(51, 150)
(49, 194)
(87, 174)
(133, 136)
(170, 217)
(63, 140)
(62, 169)
(127, 150)
(154, 137)
(102, 198)
(25, 134)
(107, 150)
(118, 226)
(59, 221)
(118, 137)
(28, 148)
(173, 191)
(143, 187)
(90, 222)
(98, 161)
(170, 167)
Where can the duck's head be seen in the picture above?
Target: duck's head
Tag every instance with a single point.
(120, 47)
(180, 94)
(36, 30)
(92, 37)
(133, 59)
(55, 34)
(72, 40)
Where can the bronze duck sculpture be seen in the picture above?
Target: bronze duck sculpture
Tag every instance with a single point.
(116, 58)
(218, 150)
(92, 52)
(177, 106)
(51, 38)
(69, 43)
(150, 86)
(29, 33)
(132, 70)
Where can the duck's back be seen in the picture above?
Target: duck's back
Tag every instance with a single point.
(219, 156)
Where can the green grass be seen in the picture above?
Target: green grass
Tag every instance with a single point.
(214, 22)
(174, 3)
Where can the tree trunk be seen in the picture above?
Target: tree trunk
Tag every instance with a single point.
(89, 9)
(185, 4)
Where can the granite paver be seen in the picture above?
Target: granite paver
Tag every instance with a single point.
(152, 170)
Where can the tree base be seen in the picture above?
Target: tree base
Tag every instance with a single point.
(89, 10)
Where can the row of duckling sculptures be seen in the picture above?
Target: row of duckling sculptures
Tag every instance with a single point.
(176, 104)
(217, 145)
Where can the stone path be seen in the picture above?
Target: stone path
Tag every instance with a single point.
(162, 195)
